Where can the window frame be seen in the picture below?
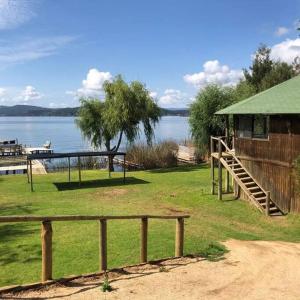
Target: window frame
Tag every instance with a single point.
(253, 137)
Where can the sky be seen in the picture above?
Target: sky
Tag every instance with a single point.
(52, 52)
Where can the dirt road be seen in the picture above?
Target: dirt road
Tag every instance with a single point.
(251, 270)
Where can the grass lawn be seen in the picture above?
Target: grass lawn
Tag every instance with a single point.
(170, 191)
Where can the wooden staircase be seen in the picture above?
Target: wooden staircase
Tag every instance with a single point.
(255, 193)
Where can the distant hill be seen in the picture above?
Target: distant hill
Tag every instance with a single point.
(37, 111)
(183, 112)
(29, 110)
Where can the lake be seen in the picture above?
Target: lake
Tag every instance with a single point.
(66, 137)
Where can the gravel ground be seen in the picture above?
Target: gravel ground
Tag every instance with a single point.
(251, 270)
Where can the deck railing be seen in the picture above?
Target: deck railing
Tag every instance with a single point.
(46, 235)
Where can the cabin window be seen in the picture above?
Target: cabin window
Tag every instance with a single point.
(244, 127)
(252, 127)
(260, 127)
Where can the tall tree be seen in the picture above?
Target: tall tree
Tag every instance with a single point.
(265, 72)
(203, 121)
(280, 72)
(124, 108)
(261, 66)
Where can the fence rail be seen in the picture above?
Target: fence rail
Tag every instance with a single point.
(47, 233)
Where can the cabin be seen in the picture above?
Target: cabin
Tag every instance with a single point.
(263, 156)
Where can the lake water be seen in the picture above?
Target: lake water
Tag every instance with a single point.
(66, 137)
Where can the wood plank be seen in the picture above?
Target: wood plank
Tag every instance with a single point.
(29, 218)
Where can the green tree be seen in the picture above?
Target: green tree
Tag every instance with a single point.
(265, 73)
(243, 90)
(280, 72)
(203, 121)
(124, 108)
(261, 66)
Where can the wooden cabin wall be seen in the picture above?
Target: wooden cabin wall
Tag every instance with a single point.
(271, 161)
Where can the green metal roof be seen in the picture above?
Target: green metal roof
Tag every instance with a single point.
(283, 98)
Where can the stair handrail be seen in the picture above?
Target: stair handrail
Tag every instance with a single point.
(238, 160)
(267, 193)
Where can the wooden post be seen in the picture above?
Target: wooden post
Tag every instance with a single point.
(103, 245)
(31, 183)
(109, 172)
(227, 184)
(79, 170)
(268, 203)
(144, 240)
(27, 171)
(212, 166)
(46, 235)
(227, 130)
(179, 239)
(220, 169)
(124, 168)
(69, 165)
(212, 174)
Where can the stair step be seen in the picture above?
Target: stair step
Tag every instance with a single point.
(258, 193)
(249, 183)
(242, 174)
(235, 164)
(272, 206)
(246, 178)
(274, 209)
(238, 169)
(253, 188)
(261, 199)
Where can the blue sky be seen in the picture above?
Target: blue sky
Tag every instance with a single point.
(54, 51)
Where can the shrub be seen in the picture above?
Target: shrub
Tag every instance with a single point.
(160, 155)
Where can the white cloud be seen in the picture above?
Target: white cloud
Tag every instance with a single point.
(29, 94)
(13, 13)
(214, 73)
(280, 31)
(2, 91)
(26, 50)
(3, 95)
(153, 95)
(173, 98)
(286, 51)
(92, 86)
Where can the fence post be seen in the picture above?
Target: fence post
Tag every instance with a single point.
(212, 166)
(268, 203)
(103, 245)
(69, 171)
(79, 170)
(179, 239)
(46, 235)
(144, 240)
(220, 169)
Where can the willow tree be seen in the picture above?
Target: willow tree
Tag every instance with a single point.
(124, 108)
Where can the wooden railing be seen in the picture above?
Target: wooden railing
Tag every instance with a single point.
(46, 235)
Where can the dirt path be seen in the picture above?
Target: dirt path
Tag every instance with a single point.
(251, 270)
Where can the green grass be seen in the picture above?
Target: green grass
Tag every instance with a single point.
(178, 190)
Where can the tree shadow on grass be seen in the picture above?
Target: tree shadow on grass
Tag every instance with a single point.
(63, 186)
(183, 169)
(15, 209)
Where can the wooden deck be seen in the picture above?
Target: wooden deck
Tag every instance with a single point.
(37, 168)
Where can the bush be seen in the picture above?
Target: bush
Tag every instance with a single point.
(161, 155)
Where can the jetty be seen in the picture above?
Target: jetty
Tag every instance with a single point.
(13, 157)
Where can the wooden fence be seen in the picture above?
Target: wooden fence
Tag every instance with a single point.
(46, 235)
